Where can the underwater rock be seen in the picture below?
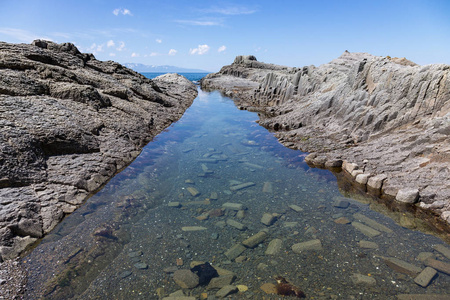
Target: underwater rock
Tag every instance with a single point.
(205, 273)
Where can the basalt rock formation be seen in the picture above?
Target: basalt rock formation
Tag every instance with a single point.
(68, 123)
(385, 121)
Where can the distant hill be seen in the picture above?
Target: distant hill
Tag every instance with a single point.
(161, 69)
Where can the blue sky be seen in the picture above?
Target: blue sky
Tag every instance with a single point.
(209, 34)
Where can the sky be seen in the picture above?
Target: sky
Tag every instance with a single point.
(210, 34)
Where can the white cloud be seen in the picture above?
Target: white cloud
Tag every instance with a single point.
(172, 52)
(134, 54)
(159, 41)
(94, 48)
(121, 46)
(123, 11)
(222, 48)
(230, 10)
(110, 43)
(154, 54)
(112, 54)
(200, 50)
(199, 23)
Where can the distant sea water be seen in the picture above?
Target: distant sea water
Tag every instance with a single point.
(195, 77)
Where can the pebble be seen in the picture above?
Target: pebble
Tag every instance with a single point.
(186, 279)
(372, 223)
(125, 274)
(233, 206)
(193, 228)
(362, 279)
(141, 265)
(171, 269)
(220, 282)
(214, 235)
(240, 214)
(236, 224)
(214, 196)
(269, 288)
(342, 220)
(235, 251)
(134, 254)
(443, 250)
(339, 203)
(423, 256)
(367, 245)
(268, 219)
(295, 208)
(438, 265)
(255, 240)
(274, 247)
(226, 290)
(309, 245)
(242, 186)
(193, 191)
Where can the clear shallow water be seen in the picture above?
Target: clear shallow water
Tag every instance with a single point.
(121, 242)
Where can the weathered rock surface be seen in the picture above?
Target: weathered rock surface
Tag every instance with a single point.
(69, 123)
(388, 117)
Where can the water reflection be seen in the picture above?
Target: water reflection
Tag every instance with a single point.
(197, 193)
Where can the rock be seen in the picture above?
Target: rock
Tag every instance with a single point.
(425, 277)
(179, 298)
(342, 220)
(362, 279)
(240, 214)
(372, 223)
(255, 240)
(269, 288)
(185, 279)
(174, 204)
(423, 256)
(141, 265)
(242, 288)
(306, 246)
(125, 274)
(376, 182)
(366, 230)
(268, 219)
(340, 203)
(90, 120)
(220, 282)
(295, 208)
(236, 224)
(407, 195)
(367, 245)
(235, 251)
(214, 196)
(345, 110)
(242, 186)
(226, 290)
(267, 187)
(362, 178)
(438, 265)
(402, 266)
(442, 249)
(274, 247)
(232, 206)
(193, 228)
(193, 191)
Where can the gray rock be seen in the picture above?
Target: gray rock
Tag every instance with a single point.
(235, 251)
(425, 277)
(220, 282)
(141, 265)
(268, 219)
(366, 230)
(90, 119)
(306, 246)
(255, 240)
(362, 279)
(373, 113)
(226, 290)
(274, 247)
(438, 265)
(402, 266)
(443, 250)
(185, 279)
(236, 224)
(407, 195)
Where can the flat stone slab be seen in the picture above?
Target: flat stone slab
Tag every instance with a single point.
(425, 277)
(402, 266)
(186, 279)
(443, 250)
(274, 247)
(235, 251)
(236, 224)
(367, 245)
(193, 191)
(242, 186)
(226, 290)
(295, 208)
(255, 240)
(220, 282)
(372, 223)
(366, 230)
(268, 219)
(232, 206)
(193, 228)
(309, 245)
(362, 279)
(438, 265)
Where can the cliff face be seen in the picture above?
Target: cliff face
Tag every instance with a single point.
(68, 123)
(385, 120)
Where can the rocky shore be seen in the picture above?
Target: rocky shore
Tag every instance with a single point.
(384, 121)
(68, 124)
